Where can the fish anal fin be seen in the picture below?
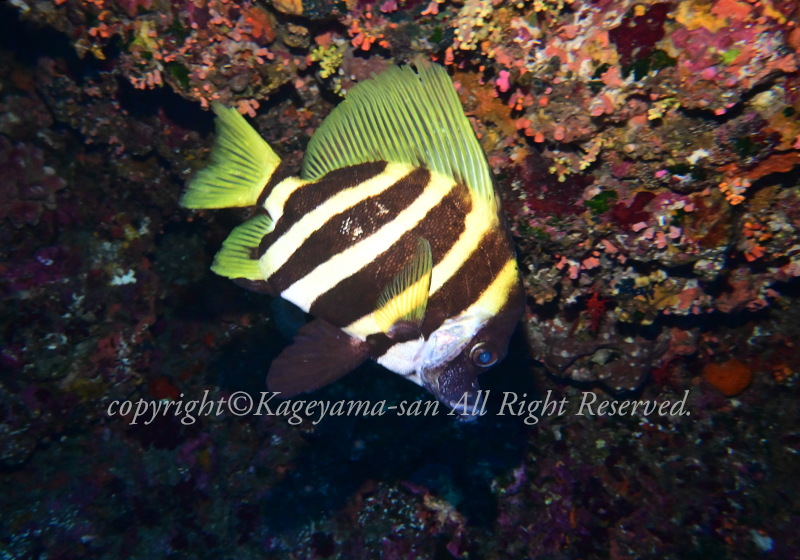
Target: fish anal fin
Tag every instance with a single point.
(321, 354)
(238, 257)
(402, 304)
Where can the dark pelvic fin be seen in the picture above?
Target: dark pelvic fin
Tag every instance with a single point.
(321, 354)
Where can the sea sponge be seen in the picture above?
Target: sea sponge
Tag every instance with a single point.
(729, 378)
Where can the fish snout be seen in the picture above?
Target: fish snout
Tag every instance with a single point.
(458, 390)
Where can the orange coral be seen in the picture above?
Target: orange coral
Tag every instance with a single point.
(734, 190)
(782, 373)
(260, 24)
(729, 378)
(292, 7)
(365, 30)
(777, 163)
(481, 103)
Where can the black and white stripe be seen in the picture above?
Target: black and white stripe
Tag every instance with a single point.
(340, 240)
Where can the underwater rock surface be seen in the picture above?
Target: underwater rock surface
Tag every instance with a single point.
(647, 154)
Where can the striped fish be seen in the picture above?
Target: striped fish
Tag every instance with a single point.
(393, 237)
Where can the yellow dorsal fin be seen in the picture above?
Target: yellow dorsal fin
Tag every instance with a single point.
(236, 258)
(403, 116)
(241, 165)
(401, 305)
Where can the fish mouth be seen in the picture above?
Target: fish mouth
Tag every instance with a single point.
(463, 396)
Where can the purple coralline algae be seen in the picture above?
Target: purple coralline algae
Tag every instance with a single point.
(28, 187)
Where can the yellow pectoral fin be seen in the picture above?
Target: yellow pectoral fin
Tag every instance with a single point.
(402, 304)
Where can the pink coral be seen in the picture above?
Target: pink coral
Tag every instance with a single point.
(502, 81)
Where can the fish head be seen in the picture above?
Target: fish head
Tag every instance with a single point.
(462, 348)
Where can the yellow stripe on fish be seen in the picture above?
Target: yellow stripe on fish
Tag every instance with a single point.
(392, 237)
(478, 222)
(283, 247)
(495, 297)
(327, 275)
(276, 201)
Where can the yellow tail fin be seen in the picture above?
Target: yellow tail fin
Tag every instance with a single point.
(241, 165)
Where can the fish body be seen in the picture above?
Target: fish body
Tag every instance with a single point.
(393, 237)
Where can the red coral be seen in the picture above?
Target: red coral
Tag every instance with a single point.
(625, 216)
(596, 306)
(261, 25)
(161, 388)
(546, 195)
(663, 374)
(636, 36)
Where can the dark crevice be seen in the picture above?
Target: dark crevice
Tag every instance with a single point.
(286, 92)
(148, 102)
(738, 109)
(29, 43)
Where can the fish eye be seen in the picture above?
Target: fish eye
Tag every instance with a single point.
(483, 355)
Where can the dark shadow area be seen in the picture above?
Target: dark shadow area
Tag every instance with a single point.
(788, 289)
(195, 228)
(243, 364)
(29, 43)
(453, 460)
(786, 179)
(287, 92)
(142, 103)
(735, 111)
(212, 298)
